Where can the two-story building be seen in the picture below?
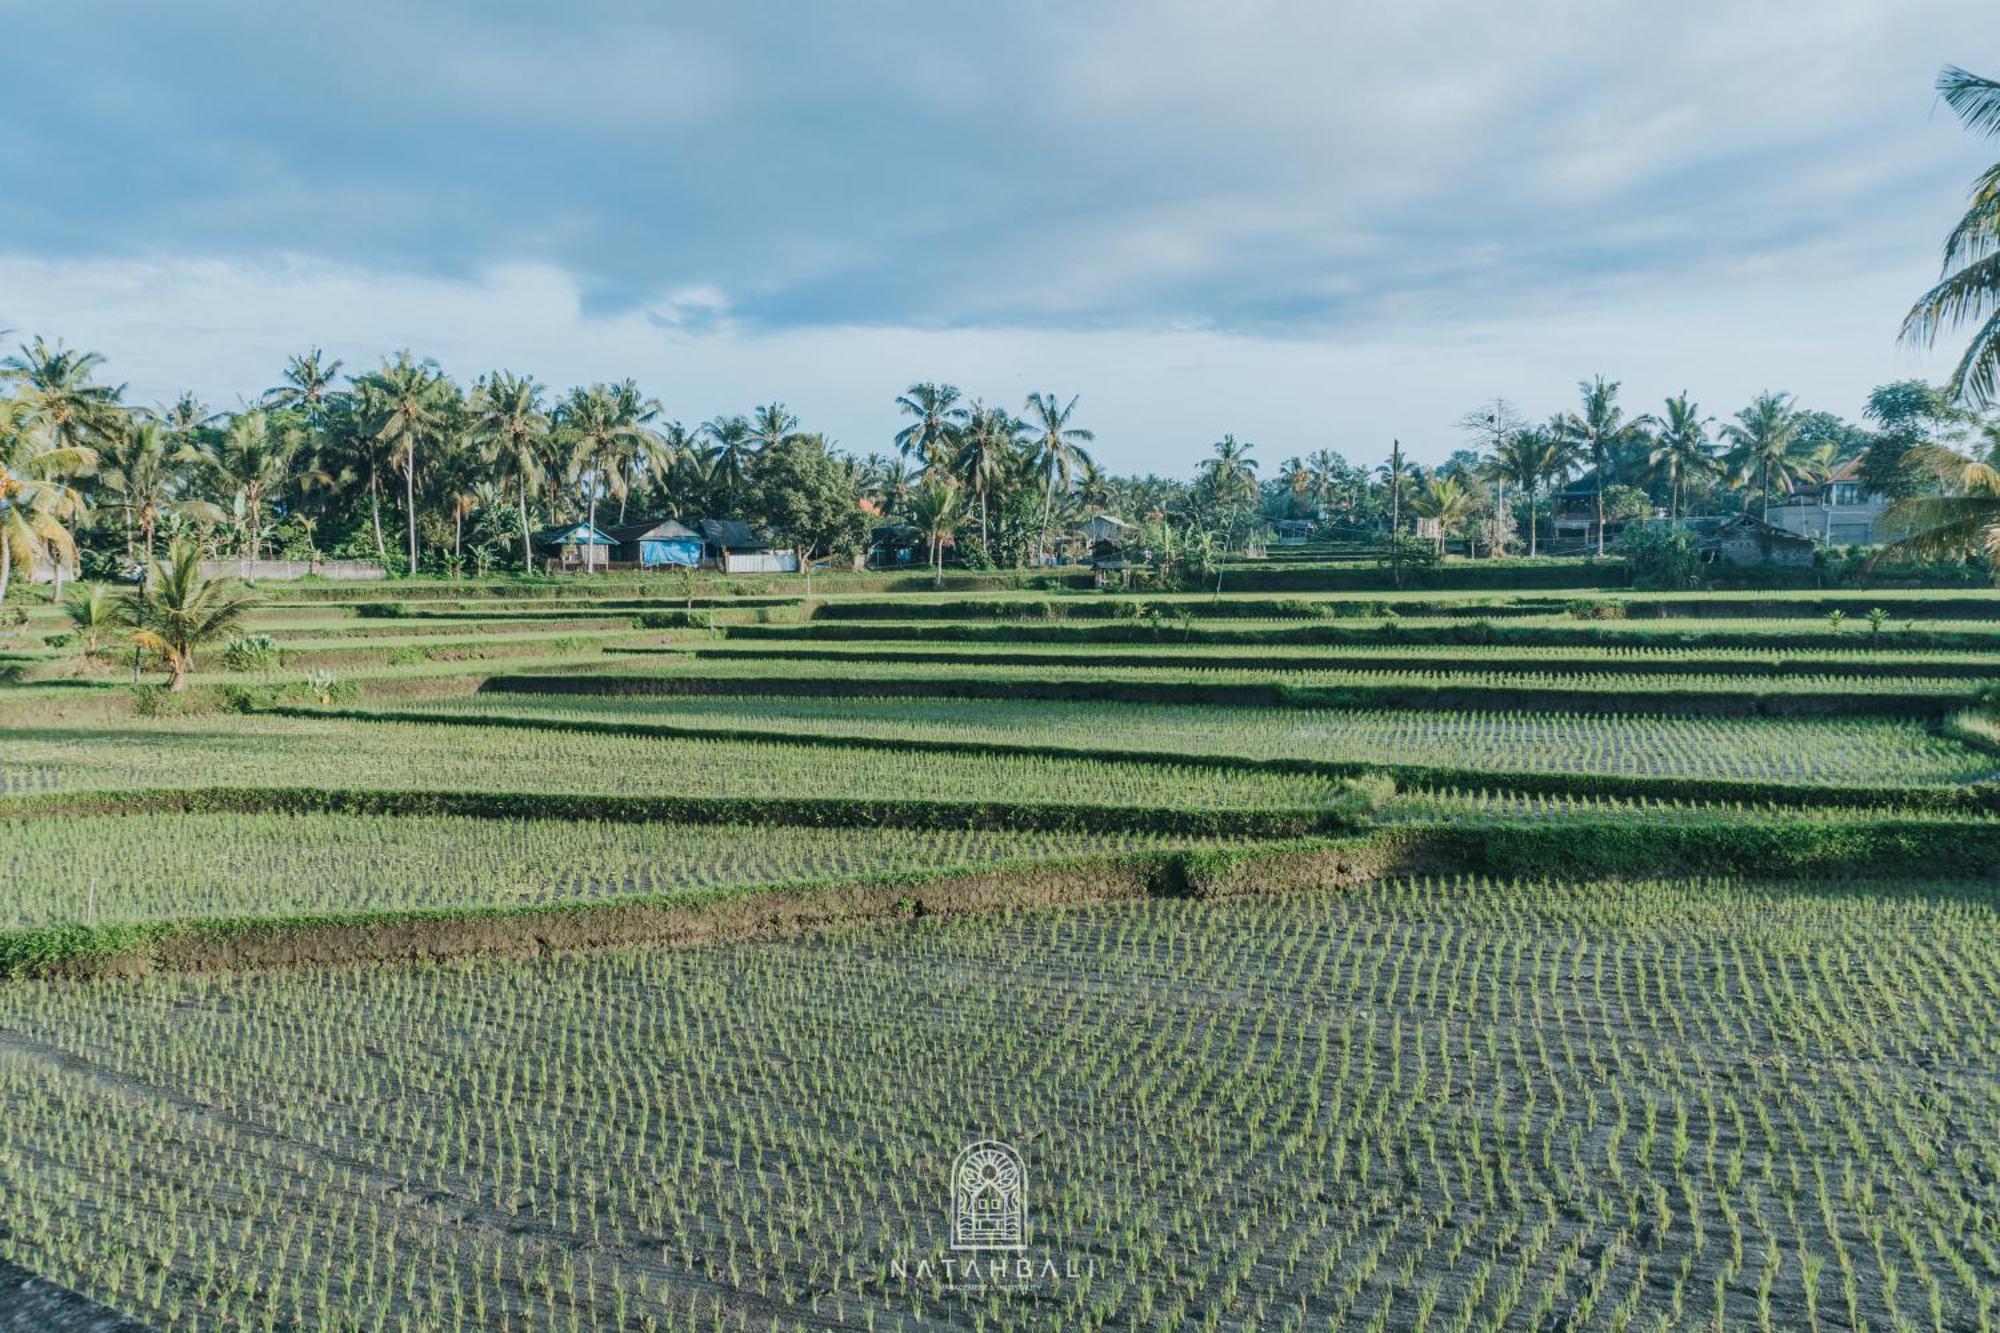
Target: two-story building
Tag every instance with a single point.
(1839, 511)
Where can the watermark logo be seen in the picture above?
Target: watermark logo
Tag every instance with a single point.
(989, 1198)
(988, 1212)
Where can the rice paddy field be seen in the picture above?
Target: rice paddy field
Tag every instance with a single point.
(1422, 1104)
(581, 955)
(1840, 750)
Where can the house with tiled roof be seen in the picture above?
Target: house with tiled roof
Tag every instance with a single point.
(1839, 511)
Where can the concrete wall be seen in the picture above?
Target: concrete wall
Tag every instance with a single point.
(1834, 525)
(351, 570)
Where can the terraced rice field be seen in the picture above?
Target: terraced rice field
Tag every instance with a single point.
(1377, 1092)
(1836, 750)
(1286, 671)
(1416, 1105)
(162, 867)
(234, 751)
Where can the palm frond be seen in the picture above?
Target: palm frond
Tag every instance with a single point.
(1977, 374)
(1977, 234)
(1975, 99)
(1959, 296)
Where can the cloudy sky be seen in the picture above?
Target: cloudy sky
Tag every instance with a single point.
(1312, 224)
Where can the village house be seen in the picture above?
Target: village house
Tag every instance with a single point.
(1839, 511)
(575, 546)
(735, 549)
(658, 544)
(1748, 540)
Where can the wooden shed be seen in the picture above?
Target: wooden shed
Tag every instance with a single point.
(575, 546)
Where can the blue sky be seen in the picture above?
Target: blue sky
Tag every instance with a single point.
(1309, 224)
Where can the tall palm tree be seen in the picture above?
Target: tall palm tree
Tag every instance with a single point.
(405, 407)
(1231, 470)
(141, 476)
(64, 401)
(1970, 288)
(70, 411)
(987, 446)
(1530, 458)
(37, 503)
(732, 444)
(600, 428)
(1765, 439)
(642, 458)
(773, 426)
(257, 461)
(1680, 448)
(178, 610)
(1323, 469)
(938, 510)
(933, 436)
(1602, 431)
(1056, 452)
(309, 381)
(510, 429)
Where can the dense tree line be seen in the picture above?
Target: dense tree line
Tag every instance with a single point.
(403, 465)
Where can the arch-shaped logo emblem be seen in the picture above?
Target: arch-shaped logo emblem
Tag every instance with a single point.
(989, 1198)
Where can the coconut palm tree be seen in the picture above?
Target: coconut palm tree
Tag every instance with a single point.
(257, 461)
(187, 415)
(179, 611)
(64, 401)
(1231, 471)
(1530, 458)
(1681, 449)
(37, 502)
(1765, 439)
(404, 408)
(603, 428)
(95, 612)
(1601, 430)
(1056, 452)
(1969, 291)
(773, 426)
(937, 509)
(308, 384)
(1449, 501)
(510, 430)
(933, 437)
(1323, 470)
(141, 477)
(732, 444)
(988, 446)
(1962, 520)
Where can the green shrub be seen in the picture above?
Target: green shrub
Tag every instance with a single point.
(674, 620)
(58, 640)
(254, 652)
